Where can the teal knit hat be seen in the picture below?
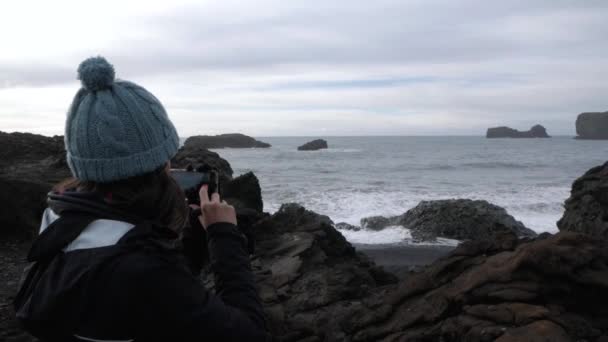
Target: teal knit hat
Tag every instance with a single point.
(115, 129)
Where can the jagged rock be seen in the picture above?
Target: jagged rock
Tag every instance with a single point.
(592, 126)
(554, 288)
(232, 140)
(244, 192)
(460, 219)
(537, 131)
(307, 273)
(314, 145)
(200, 158)
(587, 208)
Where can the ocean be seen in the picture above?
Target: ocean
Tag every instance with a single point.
(359, 177)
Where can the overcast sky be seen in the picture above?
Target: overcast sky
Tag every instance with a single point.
(277, 68)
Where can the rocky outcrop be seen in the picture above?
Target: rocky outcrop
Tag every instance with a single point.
(308, 275)
(232, 140)
(314, 145)
(592, 126)
(244, 192)
(460, 219)
(553, 288)
(30, 165)
(586, 211)
(536, 131)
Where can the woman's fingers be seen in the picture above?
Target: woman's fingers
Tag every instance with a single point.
(203, 194)
(215, 197)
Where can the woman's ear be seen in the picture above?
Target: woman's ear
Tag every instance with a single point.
(168, 166)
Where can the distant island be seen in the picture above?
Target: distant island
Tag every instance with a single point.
(592, 126)
(537, 131)
(231, 140)
(314, 145)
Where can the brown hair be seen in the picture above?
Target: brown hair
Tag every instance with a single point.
(152, 196)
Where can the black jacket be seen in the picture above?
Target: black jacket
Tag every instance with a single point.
(100, 280)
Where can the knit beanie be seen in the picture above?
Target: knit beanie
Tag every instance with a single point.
(115, 129)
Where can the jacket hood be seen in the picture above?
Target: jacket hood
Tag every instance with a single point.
(88, 203)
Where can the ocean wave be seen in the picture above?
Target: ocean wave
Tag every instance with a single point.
(501, 165)
(391, 235)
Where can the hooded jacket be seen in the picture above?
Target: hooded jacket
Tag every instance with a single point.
(100, 275)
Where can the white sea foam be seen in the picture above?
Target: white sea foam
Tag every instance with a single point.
(367, 176)
(389, 235)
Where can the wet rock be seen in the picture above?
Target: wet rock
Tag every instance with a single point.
(314, 145)
(586, 211)
(459, 219)
(592, 126)
(537, 131)
(232, 140)
(377, 222)
(347, 226)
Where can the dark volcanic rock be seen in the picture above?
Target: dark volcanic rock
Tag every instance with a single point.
(554, 288)
(587, 208)
(313, 145)
(244, 192)
(536, 131)
(308, 275)
(460, 219)
(592, 126)
(30, 165)
(233, 140)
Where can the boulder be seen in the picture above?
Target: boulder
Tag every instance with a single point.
(592, 126)
(537, 131)
(314, 145)
(232, 140)
(586, 211)
(460, 219)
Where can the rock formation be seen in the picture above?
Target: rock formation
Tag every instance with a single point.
(30, 165)
(553, 288)
(536, 131)
(232, 140)
(587, 208)
(460, 219)
(314, 145)
(592, 126)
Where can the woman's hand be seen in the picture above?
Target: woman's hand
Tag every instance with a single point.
(214, 210)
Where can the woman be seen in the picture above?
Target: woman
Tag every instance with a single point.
(109, 264)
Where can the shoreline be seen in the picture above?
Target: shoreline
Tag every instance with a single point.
(400, 259)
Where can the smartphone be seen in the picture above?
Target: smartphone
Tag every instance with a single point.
(191, 181)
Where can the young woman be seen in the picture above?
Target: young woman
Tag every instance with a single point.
(112, 262)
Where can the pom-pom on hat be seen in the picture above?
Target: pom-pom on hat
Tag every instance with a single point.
(115, 129)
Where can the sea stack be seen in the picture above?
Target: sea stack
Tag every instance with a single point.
(592, 126)
(232, 140)
(537, 131)
(313, 145)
